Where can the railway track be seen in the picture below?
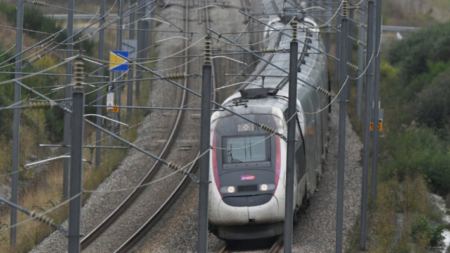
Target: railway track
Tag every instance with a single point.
(146, 226)
(178, 190)
(150, 223)
(122, 207)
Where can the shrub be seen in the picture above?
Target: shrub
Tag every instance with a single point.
(429, 44)
(412, 151)
(432, 107)
(421, 230)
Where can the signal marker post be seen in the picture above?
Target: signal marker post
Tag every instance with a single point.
(202, 244)
(117, 62)
(289, 204)
(342, 114)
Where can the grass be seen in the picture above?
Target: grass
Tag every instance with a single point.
(45, 191)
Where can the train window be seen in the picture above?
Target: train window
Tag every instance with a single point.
(244, 149)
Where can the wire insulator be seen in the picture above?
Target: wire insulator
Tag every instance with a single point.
(363, 25)
(294, 25)
(268, 51)
(41, 3)
(324, 91)
(176, 76)
(353, 7)
(177, 167)
(362, 43)
(208, 49)
(40, 105)
(79, 73)
(353, 66)
(268, 129)
(34, 59)
(344, 9)
(42, 218)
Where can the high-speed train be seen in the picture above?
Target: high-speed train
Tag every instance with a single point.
(247, 163)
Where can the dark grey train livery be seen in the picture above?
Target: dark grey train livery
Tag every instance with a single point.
(247, 163)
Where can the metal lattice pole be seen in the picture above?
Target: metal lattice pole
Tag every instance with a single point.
(359, 89)
(66, 134)
(376, 101)
(367, 119)
(290, 168)
(16, 125)
(131, 73)
(204, 147)
(76, 155)
(342, 118)
(101, 56)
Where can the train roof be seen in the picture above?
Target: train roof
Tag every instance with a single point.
(260, 89)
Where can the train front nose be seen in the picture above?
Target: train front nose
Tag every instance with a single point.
(249, 210)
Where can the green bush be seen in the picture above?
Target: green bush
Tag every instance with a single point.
(420, 230)
(34, 20)
(411, 151)
(429, 44)
(432, 107)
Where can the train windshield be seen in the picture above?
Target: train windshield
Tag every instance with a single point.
(244, 149)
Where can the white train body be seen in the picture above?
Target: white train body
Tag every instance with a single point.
(247, 163)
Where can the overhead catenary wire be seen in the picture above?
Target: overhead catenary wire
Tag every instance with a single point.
(51, 37)
(37, 73)
(270, 63)
(45, 4)
(42, 213)
(131, 127)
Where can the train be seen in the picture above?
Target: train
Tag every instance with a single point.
(247, 163)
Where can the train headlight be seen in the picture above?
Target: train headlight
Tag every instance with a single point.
(264, 187)
(227, 189)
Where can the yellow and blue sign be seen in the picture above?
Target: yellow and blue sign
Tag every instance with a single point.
(117, 61)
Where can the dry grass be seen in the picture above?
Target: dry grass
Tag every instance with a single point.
(45, 190)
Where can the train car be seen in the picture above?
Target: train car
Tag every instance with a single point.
(247, 163)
